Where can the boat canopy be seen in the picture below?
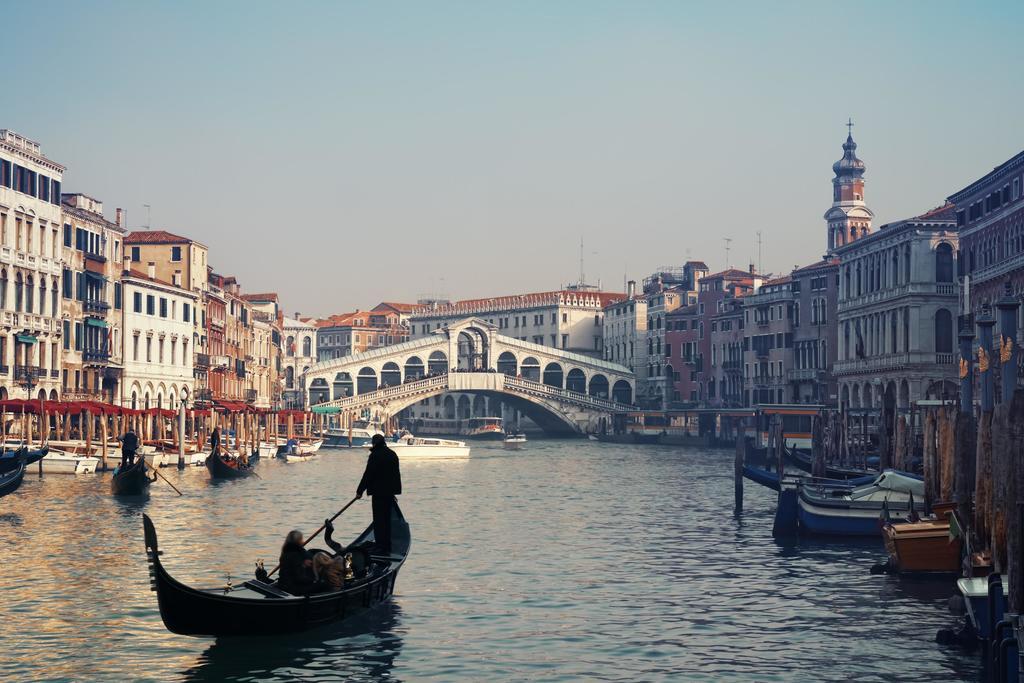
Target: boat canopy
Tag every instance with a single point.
(891, 481)
(325, 410)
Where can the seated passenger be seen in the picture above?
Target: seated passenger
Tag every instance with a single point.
(329, 572)
(296, 573)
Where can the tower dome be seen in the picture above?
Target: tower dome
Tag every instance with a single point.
(849, 166)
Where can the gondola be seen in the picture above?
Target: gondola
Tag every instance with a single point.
(802, 459)
(11, 480)
(255, 607)
(10, 459)
(132, 481)
(220, 469)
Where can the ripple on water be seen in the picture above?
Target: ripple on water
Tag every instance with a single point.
(568, 560)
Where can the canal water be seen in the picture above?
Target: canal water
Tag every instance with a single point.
(568, 560)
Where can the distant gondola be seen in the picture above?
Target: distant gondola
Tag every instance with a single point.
(220, 469)
(258, 608)
(11, 480)
(131, 481)
(10, 460)
(802, 460)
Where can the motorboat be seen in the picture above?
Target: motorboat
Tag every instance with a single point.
(411, 446)
(485, 429)
(358, 436)
(514, 441)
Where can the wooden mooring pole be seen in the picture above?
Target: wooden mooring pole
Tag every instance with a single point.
(741, 448)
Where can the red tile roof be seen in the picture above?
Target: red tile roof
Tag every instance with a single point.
(145, 276)
(268, 296)
(946, 212)
(731, 274)
(154, 237)
(400, 307)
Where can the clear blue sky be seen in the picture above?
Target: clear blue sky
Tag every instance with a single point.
(347, 153)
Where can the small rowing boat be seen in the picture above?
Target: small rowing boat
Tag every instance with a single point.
(131, 481)
(256, 607)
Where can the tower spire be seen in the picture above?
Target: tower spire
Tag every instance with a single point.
(849, 218)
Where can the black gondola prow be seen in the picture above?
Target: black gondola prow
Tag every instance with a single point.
(152, 551)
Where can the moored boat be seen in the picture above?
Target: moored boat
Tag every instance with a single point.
(428, 447)
(256, 607)
(859, 511)
(131, 481)
(224, 468)
(359, 435)
(62, 462)
(924, 546)
(11, 479)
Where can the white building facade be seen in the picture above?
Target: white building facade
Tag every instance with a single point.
(624, 333)
(157, 329)
(30, 306)
(898, 304)
(299, 354)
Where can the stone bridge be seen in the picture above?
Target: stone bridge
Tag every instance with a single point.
(560, 390)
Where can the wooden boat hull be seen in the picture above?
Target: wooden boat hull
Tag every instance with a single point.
(922, 547)
(11, 480)
(256, 608)
(131, 482)
(221, 470)
(802, 460)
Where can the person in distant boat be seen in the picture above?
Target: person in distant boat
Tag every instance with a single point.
(215, 441)
(129, 446)
(296, 566)
(383, 481)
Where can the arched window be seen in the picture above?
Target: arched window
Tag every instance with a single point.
(289, 378)
(906, 264)
(42, 296)
(307, 346)
(944, 263)
(943, 331)
(18, 293)
(290, 346)
(54, 309)
(29, 294)
(895, 268)
(892, 332)
(3, 288)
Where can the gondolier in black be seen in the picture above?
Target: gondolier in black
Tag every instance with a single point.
(129, 446)
(383, 481)
(215, 441)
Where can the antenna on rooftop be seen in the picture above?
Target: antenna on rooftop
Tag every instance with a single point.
(728, 243)
(760, 265)
(581, 260)
(149, 216)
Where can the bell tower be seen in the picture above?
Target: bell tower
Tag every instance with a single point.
(849, 218)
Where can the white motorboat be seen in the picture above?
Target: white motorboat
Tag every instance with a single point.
(428, 447)
(308, 447)
(61, 462)
(514, 442)
(299, 457)
(266, 450)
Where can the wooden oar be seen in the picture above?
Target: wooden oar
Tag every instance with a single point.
(317, 532)
(157, 472)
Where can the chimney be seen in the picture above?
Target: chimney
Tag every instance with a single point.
(752, 270)
(120, 217)
(151, 270)
(631, 288)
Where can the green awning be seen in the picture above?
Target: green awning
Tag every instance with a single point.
(325, 410)
(25, 338)
(96, 322)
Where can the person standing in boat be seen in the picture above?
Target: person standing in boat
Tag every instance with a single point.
(129, 446)
(383, 481)
(215, 441)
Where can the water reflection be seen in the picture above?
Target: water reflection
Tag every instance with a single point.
(362, 649)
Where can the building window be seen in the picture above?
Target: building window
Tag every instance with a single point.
(163, 308)
(149, 349)
(117, 295)
(943, 331)
(150, 304)
(78, 336)
(176, 254)
(135, 254)
(137, 302)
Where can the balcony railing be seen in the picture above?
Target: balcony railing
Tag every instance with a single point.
(96, 356)
(92, 256)
(804, 374)
(202, 360)
(889, 293)
(204, 394)
(95, 306)
(28, 373)
(893, 361)
(251, 395)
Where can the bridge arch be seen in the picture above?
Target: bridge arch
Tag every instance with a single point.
(576, 381)
(318, 391)
(465, 408)
(414, 368)
(343, 385)
(437, 363)
(449, 407)
(366, 380)
(553, 375)
(599, 386)
(530, 369)
(479, 406)
(390, 375)
(507, 364)
(622, 392)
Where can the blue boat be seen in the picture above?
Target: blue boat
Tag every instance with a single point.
(11, 479)
(770, 479)
(861, 510)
